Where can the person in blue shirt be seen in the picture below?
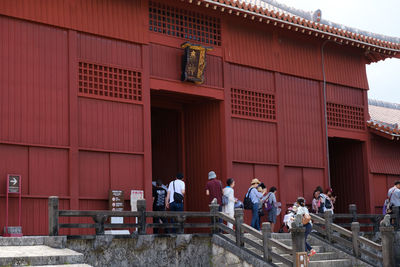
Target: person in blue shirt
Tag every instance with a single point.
(255, 196)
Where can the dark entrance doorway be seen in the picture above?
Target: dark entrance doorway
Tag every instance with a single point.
(186, 137)
(347, 172)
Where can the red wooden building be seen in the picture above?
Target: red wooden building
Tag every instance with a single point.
(91, 100)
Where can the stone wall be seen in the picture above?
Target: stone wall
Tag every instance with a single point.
(146, 250)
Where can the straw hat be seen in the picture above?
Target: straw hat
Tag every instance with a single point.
(255, 181)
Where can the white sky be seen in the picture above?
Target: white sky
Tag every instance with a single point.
(378, 16)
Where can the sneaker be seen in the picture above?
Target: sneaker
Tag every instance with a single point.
(312, 253)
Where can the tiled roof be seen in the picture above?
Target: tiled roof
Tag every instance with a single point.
(377, 46)
(385, 119)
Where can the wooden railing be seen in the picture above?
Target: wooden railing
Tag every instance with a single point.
(367, 221)
(361, 247)
(242, 235)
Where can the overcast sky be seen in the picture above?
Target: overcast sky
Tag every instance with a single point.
(378, 16)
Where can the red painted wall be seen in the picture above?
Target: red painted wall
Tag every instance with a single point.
(79, 145)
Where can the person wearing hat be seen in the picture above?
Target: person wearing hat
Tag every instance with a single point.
(214, 189)
(255, 197)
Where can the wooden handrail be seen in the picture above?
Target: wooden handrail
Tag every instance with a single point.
(262, 240)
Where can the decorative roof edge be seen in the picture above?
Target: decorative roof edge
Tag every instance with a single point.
(257, 10)
(389, 131)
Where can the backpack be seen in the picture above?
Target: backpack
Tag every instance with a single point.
(268, 205)
(247, 203)
(328, 203)
(387, 205)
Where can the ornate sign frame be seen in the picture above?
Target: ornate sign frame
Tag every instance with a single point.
(194, 62)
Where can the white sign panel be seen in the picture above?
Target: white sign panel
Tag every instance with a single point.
(135, 195)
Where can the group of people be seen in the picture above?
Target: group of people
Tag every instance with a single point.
(322, 201)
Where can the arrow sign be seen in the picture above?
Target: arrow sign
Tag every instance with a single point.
(13, 183)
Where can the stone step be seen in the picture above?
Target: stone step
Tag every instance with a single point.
(52, 241)
(38, 255)
(330, 263)
(324, 256)
(65, 265)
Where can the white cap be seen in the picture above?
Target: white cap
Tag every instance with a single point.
(211, 175)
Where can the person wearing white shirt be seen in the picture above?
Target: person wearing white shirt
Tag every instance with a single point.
(394, 194)
(229, 193)
(302, 209)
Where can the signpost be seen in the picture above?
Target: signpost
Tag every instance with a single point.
(116, 203)
(135, 196)
(14, 183)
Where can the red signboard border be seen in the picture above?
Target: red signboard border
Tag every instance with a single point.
(6, 234)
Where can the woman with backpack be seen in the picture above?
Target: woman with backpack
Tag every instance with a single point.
(255, 197)
(302, 210)
(270, 206)
(228, 195)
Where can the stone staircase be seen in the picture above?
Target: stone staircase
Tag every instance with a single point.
(327, 256)
(38, 251)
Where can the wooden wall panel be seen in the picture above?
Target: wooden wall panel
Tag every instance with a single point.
(106, 51)
(344, 95)
(110, 125)
(385, 156)
(120, 19)
(14, 160)
(48, 172)
(126, 173)
(254, 141)
(345, 67)
(299, 56)
(292, 185)
(303, 126)
(34, 83)
(94, 174)
(249, 44)
(251, 78)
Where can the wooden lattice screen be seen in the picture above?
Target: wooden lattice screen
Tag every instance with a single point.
(107, 82)
(252, 104)
(185, 24)
(345, 116)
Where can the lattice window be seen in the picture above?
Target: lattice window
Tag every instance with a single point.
(106, 82)
(185, 24)
(253, 104)
(345, 116)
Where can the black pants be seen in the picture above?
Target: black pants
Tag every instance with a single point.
(159, 220)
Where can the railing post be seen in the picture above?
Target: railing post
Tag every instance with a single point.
(353, 211)
(141, 207)
(298, 237)
(355, 230)
(266, 232)
(214, 218)
(238, 227)
(328, 224)
(53, 215)
(387, 235)
(99, 220)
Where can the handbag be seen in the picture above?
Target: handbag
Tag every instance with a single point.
(306, 218)
(178, 198)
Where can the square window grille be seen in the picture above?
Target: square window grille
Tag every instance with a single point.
(253, 104)
(106, 82)
(184, 24)
(345, 116)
